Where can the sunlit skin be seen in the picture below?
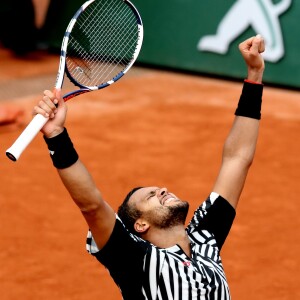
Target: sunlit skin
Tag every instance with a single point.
(149, 197)
(155, 203)
(158, 207)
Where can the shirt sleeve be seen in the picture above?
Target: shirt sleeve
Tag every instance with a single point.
(121, 244)
(123, 256)
(216, 216)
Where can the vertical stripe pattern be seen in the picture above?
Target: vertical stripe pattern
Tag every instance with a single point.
(169, 274)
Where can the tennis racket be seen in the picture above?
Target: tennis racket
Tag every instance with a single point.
(101, 43)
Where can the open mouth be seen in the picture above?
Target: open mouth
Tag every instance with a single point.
(167, 199)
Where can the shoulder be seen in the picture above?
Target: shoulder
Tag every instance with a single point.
(214, 203)
(212, 219)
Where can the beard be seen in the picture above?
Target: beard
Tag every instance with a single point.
(168, 216)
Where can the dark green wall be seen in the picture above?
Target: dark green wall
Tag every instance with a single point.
(174, 27)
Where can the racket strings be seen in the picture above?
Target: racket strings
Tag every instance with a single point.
(116, 43)
(106, 64)
(102, 43)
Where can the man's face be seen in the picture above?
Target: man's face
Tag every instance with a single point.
(159, 207)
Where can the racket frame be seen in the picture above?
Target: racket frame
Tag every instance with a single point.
(64, 70)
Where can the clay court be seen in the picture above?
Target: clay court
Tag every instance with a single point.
(153, 127)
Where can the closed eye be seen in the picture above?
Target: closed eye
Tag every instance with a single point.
(151, 194)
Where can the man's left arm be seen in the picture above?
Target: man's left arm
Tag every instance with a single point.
(240, 145)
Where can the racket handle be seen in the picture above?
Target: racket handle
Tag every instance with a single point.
(25, 138)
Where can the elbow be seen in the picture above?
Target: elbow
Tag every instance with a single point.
(243, 161)
(90, 209)
(247, 161)
(90, 204)
(243, 157)
(239, 152)
(247, 157)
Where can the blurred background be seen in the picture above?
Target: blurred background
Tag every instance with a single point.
(187, 35)
(181, 92)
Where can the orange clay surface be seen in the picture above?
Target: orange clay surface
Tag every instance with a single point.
(151, 128)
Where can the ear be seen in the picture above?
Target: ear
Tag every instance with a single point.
(141, 226)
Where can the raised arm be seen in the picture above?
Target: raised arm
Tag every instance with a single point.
(240, 145)
(74, 175)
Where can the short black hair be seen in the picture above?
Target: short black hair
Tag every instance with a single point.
(129, 213)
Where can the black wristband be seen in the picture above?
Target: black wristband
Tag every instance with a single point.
(61, 150)
(250, 101)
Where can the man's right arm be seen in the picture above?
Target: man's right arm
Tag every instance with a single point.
(99, 216)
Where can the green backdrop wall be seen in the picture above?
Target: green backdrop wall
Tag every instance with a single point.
(173, 29)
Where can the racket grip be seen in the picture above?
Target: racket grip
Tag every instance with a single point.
(25, 138)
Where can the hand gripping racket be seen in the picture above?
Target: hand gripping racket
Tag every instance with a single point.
(101, 43)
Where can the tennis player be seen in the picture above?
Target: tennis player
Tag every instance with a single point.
(146, 247)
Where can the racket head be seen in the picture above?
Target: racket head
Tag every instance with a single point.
(102, 42)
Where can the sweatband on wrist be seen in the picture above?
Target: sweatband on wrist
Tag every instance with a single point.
(61, 149)
(250, 101)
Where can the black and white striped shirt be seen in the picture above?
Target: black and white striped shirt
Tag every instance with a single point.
(145, 272)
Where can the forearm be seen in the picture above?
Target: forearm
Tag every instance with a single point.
(241, 141)
(240, 145)
(73, 173)
(81, 186)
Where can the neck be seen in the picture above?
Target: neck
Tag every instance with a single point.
(165, 238)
